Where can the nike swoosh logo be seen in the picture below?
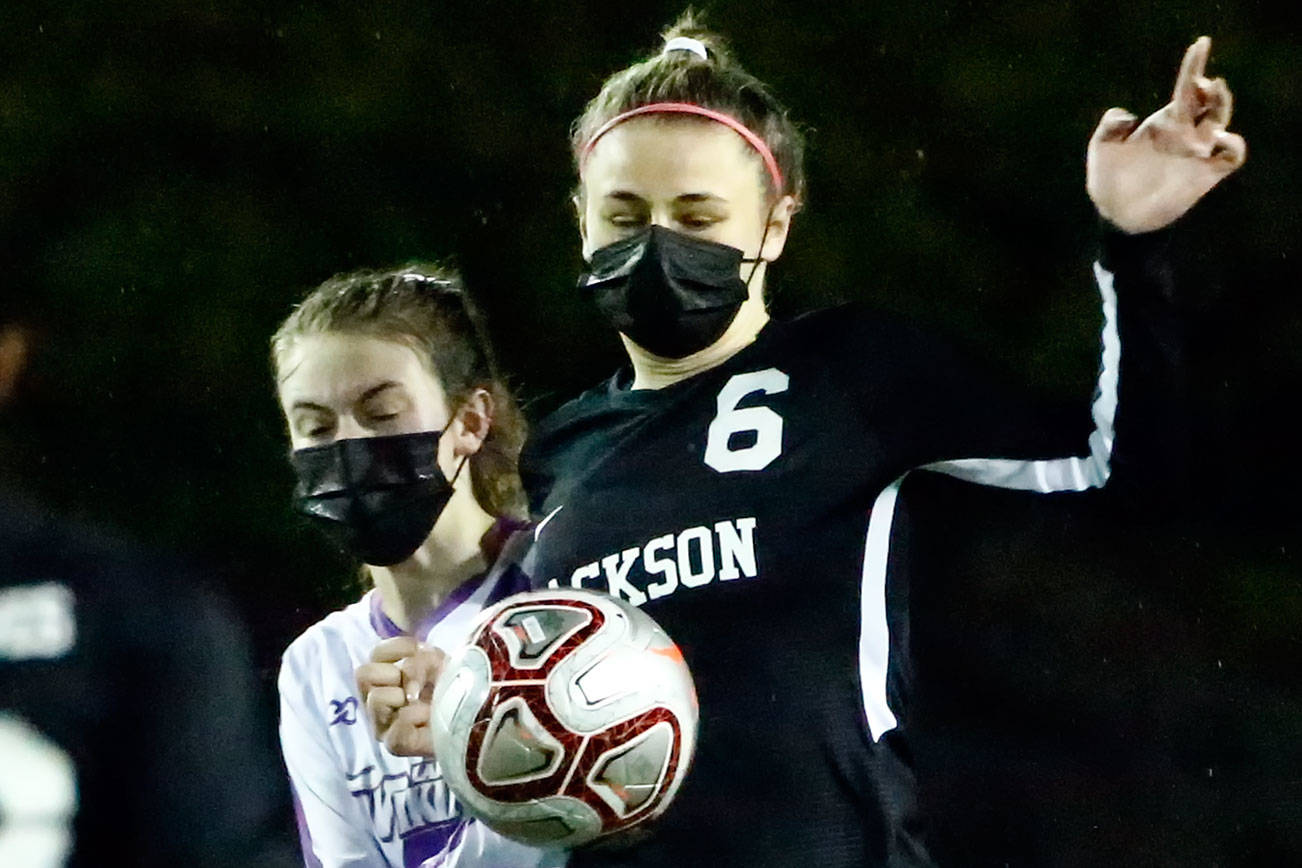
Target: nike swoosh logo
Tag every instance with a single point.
(542, 524)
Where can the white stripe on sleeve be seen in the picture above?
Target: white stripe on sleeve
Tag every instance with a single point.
(1075, 473)
(874, 631)
(1062, 474)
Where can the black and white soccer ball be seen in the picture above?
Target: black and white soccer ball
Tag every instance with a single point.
(567, 716)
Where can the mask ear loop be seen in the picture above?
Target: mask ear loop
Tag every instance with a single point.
(464, 458)
(768, 220)
(457, 472)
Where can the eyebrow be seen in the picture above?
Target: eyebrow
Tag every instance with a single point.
(699, 197)
(366, 396)
(686, 198)
(377, 389)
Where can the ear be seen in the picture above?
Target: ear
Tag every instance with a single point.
(470, 425)
(778, 228)
(13, 358)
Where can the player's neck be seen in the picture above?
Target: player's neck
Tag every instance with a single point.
(450, 555)
(655, 372)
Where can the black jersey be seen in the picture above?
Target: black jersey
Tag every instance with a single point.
(128, 724)
(751, 510)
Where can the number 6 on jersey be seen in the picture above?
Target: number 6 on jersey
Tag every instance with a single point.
(730, 421)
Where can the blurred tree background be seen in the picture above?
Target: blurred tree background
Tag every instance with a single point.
(1097, 685)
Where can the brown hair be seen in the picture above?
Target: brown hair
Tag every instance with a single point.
(715, 82)
(428, 308)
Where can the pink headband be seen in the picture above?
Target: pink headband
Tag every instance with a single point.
(691, 109)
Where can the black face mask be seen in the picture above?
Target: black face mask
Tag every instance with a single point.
(672, 294)
(376, 497)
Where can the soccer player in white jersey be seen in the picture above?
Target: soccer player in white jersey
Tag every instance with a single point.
(404, 444)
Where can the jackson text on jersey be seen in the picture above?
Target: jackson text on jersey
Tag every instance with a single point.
(690, 558)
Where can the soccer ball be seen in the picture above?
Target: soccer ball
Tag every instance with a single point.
(568, 715)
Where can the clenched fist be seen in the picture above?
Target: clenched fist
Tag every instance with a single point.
(396, 687)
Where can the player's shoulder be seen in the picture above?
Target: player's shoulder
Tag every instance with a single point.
(853, 325)
(516, 539)
(559, 441)
(592, 401)
(128, 591)
(863, 341)
(90, 558)
(339, 636)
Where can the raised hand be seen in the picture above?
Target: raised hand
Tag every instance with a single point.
(396, 687)
(1143, 176)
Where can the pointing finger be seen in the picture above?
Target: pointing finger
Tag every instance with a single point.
(1116, 125)
(1185, 96)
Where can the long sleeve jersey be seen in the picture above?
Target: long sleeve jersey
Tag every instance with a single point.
(751, 510)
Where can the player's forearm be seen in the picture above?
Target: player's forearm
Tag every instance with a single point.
(1151, 454)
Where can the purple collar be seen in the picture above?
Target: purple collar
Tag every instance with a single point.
(491, 545)
(380, 622)
(386, 629)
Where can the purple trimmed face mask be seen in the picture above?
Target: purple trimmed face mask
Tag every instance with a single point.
(377, 498)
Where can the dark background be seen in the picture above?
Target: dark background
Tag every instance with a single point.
(1100, 682)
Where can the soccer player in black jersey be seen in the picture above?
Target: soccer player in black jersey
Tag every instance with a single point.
(740, 478)
(129, 728)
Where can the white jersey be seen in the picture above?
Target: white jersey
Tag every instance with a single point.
(356, 803)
